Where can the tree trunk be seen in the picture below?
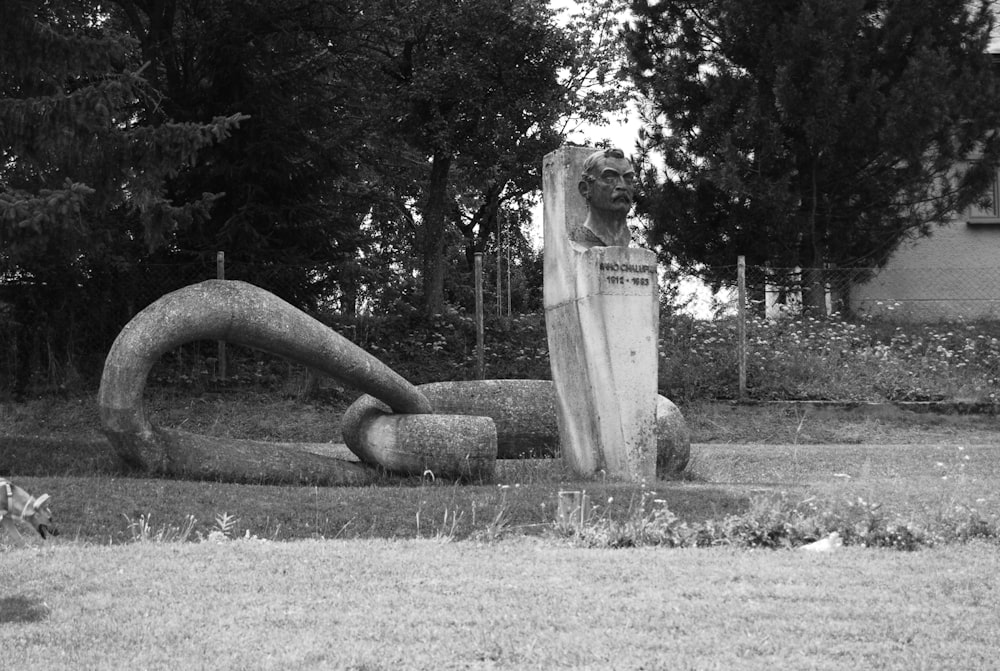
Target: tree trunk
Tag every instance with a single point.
(813, 276)
(814, 292)
(483, 224)
(434, 234)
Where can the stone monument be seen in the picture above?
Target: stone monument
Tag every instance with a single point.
(601, 408)
(601, 315)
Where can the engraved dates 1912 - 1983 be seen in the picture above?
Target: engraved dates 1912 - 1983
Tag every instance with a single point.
(619, 279)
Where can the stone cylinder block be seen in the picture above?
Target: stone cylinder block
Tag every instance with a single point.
(450, 446)
(522, 410)
(525, 418)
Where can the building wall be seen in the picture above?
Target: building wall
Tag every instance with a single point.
(954, 273)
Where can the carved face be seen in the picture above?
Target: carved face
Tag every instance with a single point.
(612, 186)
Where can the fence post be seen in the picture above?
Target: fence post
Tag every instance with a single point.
(220, 273)
(507, 322)
(741, 324)
(480, 366)
(499, 266)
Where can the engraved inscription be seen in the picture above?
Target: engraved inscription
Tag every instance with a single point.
(628, 267)
(626, 278)
(621, 279)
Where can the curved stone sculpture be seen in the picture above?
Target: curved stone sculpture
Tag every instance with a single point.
(390, 428)
(452, 446)
(241, 313)
(523, 412)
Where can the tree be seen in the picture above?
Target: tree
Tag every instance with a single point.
(82, 177)
(474, 86)
(294, 193)
(68, 99)
(809, 132)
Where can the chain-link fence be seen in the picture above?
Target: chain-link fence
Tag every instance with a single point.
(840, 334)
(917, 295)
(899, 294)
(831, 333)
(55, 335)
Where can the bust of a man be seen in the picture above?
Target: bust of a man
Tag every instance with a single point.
(608, 186)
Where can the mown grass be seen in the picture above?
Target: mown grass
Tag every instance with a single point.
(741, 452)
(374, 579)
(270, 415)
(423, 574)
(801, 490)
(524, 604)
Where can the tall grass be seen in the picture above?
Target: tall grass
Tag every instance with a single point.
(831, 359)
(789, 358)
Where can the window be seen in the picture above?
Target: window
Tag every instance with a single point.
(991, 213)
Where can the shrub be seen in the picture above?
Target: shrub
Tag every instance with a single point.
(789, 358)
(803, 358)
(775, 522)
(443, 347)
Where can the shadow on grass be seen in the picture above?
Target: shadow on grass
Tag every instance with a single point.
(55, 456)
(21, 609)
(105, 509)
(97, 499)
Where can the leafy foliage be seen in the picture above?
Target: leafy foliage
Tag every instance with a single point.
(443, 347)
(70, 137)
(831, 359)
(474, 88)
(370, 149)
(778, 521)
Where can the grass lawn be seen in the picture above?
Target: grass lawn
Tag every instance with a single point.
(522, 604)
(432, 575)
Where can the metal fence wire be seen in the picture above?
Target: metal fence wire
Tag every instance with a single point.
(913, 295)
(58, 338)
(915, 333)
(936, 330)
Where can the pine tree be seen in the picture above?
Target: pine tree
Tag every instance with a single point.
(81, 173)
(810, 132)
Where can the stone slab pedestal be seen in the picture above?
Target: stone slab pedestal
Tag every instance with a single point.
(601, 316)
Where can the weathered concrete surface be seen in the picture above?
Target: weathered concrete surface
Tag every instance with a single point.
(522, 410)
(601, 315)
(241, 313)
(451, 446)
(673, 439)
(524, 414)
(199, 457)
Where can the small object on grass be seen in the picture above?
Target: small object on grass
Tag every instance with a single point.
(16, 502)
(573, 510)
(826, 544)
